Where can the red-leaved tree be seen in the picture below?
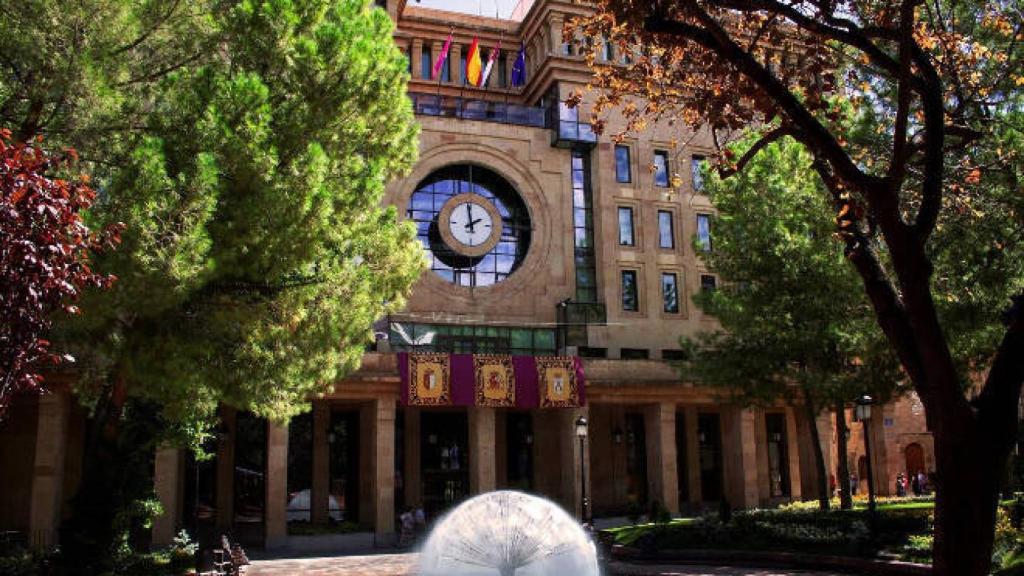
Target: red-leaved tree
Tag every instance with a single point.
(44, 258)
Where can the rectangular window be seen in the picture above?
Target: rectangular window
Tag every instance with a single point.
(607, 50)
(426, 64)
(446, 69)
(696, 162)
(583, 228)
(704, 232)
(666, 230)
(587, 352)
(502, 73)
(462, 64)
(661, 168)
(634, 354)
(673, 356)
(623, 173)
(626, 235)
(630, 296)
(670, 292)
(708, 283)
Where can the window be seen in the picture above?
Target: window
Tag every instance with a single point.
(426, 64)
(704, 232)
(446, 69)
(622, 168)
(708, 283)
(502, 73)
(630, 297)
(673, 356)
(666, 232)
(696, 162)
(607, 50)
(661, 168)
(634, 354)
(626, 235)
(462, 64)
(583, 229)
(670, 292)
(504, 257)
(587, 352)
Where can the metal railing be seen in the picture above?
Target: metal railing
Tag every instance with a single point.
(500, 112)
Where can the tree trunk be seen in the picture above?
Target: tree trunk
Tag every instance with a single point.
(811, 412)
(117, 475)
(967, 486)
(843, 469)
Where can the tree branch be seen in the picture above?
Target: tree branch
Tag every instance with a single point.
(713, 37)
(765, 140)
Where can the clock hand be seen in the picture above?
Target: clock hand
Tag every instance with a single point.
(472, 222)
(469, 212)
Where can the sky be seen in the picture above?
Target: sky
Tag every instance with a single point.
(477, 7)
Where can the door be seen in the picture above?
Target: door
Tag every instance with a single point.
(444, 460)
(709, 439)
(915, 458)
(343, 450)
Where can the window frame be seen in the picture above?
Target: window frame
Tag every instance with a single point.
(676, 278)
(671, 228)
(632, 225)
(668, 169)
(714, 282)
(635, 272)
(629, 163)
(696, 163)
(704, 246)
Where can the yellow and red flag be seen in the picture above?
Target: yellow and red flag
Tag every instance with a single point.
(474, 65)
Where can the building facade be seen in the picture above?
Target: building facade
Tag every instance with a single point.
(545, 240)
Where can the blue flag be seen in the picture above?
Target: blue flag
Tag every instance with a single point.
(519, 67)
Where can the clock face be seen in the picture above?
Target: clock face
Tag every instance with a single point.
(470, 223)
(473, 225)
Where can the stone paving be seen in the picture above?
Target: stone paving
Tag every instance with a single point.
(403, 565)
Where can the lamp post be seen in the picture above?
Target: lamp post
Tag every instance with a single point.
(581, 435)
(863, 413)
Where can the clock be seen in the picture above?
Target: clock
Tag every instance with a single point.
(473, 224)
(470, 224)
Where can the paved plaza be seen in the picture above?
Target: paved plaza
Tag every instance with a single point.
(403, 565)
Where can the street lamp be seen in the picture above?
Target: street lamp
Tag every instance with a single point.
(863, 413)
(581, 435)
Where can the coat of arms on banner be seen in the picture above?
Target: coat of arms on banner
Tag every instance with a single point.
(557, 377)
(429, 384)
(495, 381)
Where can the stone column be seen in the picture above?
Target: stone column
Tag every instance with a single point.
(435, 53)
(416, 56)
(319, 494)
(225, 500)
(413, 486)
(884, 484)
(455, 64)
(555, 34)
(660, 429)
(793, 451)
(570, 460)
(482, 477)
(383, 470)
(693, 455)
(48, 473)
(276, 483)
(763, 469)
(741, 458)
(167, 482)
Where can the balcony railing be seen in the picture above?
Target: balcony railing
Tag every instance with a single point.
(453, 107)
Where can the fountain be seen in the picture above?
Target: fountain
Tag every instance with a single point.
(508, 533)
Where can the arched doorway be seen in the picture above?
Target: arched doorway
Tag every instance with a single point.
(914, 454)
